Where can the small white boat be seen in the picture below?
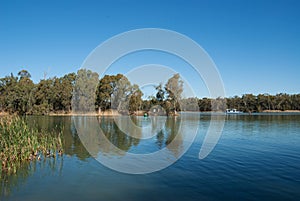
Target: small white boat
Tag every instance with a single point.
(233, 111)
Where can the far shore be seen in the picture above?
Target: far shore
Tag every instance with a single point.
(141, 113)
(280, 111)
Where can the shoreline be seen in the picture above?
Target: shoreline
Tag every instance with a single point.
(115, 113)
(108, 114)
(280, 111)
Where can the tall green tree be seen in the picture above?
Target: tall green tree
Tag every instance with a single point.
(84, 95)
(249, 102)
(16, 92)
(9, 95)
(174, 89)
(43, 97)
(135, 101)
(24, 86)
(113, 91)
(160, 95)
(121, 94)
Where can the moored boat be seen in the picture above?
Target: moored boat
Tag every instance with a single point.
(233, 111)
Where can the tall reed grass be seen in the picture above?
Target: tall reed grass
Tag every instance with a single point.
(20, 144)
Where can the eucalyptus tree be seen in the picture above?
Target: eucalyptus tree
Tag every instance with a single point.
(43, 97)
(135, 101)
(62, 92)
(107, 86)
(15, 93)
(24, 88)
(9, 96)
(160, 95)
(84, 95)
(114, 91)
(204, 104)
(174, 89)
(190, 104)
(249, 102)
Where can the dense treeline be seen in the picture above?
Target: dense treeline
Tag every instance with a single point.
(18, 94)
(249, 103)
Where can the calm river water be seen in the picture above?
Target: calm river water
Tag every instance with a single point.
(256, 158)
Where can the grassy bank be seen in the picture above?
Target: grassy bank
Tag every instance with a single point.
(20, 144)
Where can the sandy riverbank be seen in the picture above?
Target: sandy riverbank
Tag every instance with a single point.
(3, 113)
(280, 111)
(105, 113)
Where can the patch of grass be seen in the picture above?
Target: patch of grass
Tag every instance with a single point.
(20, 144)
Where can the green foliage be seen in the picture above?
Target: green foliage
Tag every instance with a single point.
(18, 94)
(135, 101)
(116, 92)
(173, 89)
(189, 104)
(84, 95)
(19, 144)
(160, 95)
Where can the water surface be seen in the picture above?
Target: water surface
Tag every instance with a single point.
(256, 158)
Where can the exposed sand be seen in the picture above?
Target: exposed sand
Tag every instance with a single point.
(3, 114)
(273, 111)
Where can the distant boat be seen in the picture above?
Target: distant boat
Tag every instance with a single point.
(233, 111)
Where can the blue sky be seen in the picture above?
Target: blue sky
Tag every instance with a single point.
(254, 44)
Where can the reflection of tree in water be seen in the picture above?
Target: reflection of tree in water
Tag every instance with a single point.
(172, 128)
(170, 136)
(119, 139)
(165, 129)
(71, 144)
(71, 141)
(101, 135)
(8, 183)
(174, 140)
(160, 138)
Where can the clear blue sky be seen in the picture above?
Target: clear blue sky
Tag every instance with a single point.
(255, 44)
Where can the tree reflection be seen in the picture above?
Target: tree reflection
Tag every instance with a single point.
(171, 136)
(72, 144)
(9, 183)
(118, 138)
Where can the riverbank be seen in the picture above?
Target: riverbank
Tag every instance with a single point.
(113, 113)
(264, 111)
(107, 113)
(280, 111)
(3, 114)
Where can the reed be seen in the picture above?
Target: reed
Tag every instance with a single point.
(20, 143)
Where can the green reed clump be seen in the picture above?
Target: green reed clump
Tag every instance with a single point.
(19, 143)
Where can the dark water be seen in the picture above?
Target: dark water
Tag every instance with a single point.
(256, 158)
